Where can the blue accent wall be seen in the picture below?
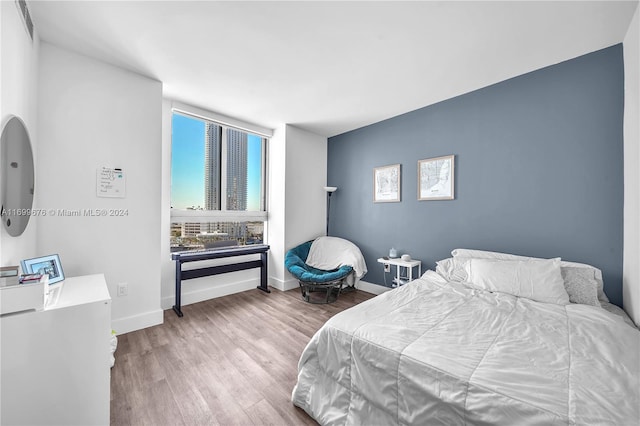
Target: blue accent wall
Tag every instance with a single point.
(538, 172)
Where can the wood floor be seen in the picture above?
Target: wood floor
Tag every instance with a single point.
(228, 361)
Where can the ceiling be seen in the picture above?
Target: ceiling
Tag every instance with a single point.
(328, 67)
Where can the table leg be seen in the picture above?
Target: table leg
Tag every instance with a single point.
(263, 274)
(177, 306)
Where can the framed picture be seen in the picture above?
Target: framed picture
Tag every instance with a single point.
(386, 184)
(49, 265)
(435, 178)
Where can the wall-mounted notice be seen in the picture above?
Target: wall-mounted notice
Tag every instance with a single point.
(110, 182)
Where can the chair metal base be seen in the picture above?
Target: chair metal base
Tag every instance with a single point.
(321, 293)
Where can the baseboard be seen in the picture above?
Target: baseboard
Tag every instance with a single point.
(360, 285)
(137, 322)
(372, 288)
(283, 285)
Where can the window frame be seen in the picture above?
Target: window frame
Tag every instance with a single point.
(224, 215)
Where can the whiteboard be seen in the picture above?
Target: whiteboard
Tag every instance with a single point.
(110, 182)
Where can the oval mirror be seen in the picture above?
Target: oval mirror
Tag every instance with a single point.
(16, 168)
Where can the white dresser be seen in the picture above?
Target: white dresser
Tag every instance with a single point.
(55, 363)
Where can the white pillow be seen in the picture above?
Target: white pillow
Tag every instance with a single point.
(539, 280)
(444, 267)
(483, 254)
(461, 256)
(593, 272)
(453, 268)
(580, 285)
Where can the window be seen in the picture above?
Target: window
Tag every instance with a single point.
(217, 183)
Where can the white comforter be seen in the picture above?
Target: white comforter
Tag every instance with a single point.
(438, 353)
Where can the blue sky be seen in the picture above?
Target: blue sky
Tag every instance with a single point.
(187, 164)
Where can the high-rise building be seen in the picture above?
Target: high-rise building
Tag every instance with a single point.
(236, 170)
(212, 145)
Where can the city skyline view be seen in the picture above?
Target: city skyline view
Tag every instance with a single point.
(194, 174)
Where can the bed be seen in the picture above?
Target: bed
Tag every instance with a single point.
(468, 346)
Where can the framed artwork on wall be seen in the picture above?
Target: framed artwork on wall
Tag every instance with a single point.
(436, 178)
(49, 265)
(386, 184)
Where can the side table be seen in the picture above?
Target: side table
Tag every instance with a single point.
(403, 267)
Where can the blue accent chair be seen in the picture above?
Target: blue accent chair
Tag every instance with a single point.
(313, 280)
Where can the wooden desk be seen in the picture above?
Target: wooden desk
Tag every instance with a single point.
(194, 256)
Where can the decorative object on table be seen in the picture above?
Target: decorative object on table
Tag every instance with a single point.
(393, 253)
(9, 276)
(29, 278)
(330, 190)
(46, 265)
(386, 184)
(405, 257)
(436, 178)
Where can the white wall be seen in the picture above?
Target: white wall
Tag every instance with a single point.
(306, 200)
(167, 271)
(297, 208)
(276, 226)
(19, 89)
(631, 265)
(92, 114)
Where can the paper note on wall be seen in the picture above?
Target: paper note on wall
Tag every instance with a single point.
(110, 182)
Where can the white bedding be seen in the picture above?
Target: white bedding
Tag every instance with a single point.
(439, 353)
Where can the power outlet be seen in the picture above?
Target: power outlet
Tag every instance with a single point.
(123, 289)
(387, 267)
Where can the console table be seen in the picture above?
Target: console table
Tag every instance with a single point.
(55, 362)
(194, 256)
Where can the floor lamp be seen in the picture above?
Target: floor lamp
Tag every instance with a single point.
(330, 190)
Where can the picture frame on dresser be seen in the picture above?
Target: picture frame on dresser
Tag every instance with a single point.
(49, 265)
